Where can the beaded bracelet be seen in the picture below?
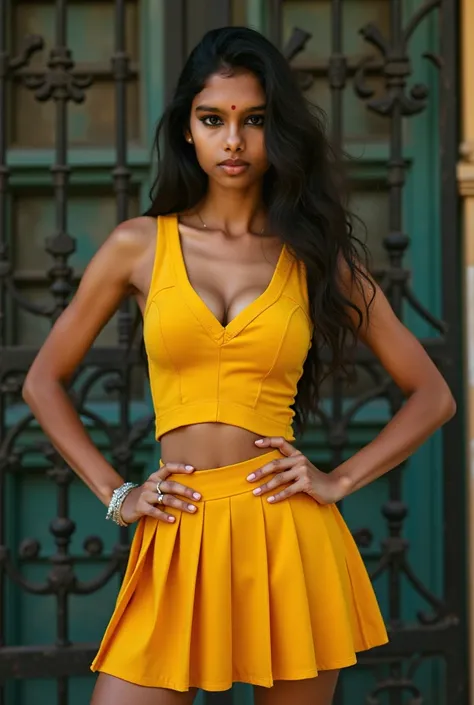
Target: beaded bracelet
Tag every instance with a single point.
(115, 505)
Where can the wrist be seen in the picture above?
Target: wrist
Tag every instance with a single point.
(343, 483)
(106, 491)
(119, 495)
(128, 513)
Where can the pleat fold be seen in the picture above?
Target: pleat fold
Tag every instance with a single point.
(172, 610)
(344, 613)
(251, 619)
(211, 639)
(367, 627)
(241, 591)
(290, 611)
(144, 535)
(135, 641)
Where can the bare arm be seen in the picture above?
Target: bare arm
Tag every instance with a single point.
(106, 281)
(429, 401)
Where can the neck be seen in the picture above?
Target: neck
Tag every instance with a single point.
(236, 212)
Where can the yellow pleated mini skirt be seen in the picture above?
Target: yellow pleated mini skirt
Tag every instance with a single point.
(241, 591)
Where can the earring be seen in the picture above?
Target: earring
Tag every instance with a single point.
(190, 140)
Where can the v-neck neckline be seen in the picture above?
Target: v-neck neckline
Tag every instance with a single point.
(203, 313)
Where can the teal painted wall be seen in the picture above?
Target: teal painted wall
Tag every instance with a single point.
(31, 619)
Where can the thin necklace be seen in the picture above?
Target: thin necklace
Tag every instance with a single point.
(205, 226)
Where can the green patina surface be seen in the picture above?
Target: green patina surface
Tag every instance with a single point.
(31, 620)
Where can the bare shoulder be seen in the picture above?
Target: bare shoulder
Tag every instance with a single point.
(129, 248)
(110, 274)
(133, 237)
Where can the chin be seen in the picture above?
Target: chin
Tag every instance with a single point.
(238, 180)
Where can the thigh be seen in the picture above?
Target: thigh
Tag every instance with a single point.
(114, 691)
(310, 691)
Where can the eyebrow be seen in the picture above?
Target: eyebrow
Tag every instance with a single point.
(210, 109)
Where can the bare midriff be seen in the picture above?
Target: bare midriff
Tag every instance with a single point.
(209, 445)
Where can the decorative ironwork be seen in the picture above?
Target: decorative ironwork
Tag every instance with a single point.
(438, 631)
(110, 368)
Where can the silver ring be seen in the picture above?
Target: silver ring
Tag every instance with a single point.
(159, 492)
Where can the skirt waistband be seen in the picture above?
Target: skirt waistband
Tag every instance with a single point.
(226, 481)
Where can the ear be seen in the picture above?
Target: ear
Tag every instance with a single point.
(188, 136)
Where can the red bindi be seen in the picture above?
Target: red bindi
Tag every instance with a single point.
(233, 107)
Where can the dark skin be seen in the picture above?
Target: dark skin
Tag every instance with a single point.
(229, 264)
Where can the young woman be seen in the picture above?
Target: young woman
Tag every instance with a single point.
(245, 265)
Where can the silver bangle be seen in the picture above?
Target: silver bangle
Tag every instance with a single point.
(117, 499)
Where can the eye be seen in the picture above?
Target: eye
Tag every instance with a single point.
(256, 120)
(211, 120)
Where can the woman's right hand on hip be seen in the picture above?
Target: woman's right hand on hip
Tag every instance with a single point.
(143, 500)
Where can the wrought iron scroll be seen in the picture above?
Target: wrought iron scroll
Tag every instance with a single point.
(442, 620)
(109, 367)
(437, 632)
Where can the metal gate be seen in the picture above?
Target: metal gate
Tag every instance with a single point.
(56, 554)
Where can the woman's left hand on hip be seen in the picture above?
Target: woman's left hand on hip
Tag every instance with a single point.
(297, 469)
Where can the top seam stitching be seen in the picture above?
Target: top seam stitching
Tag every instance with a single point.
(263, 380)
(169, 355)
(298, 304)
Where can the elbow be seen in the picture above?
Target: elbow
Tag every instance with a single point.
(451, 407)
(437, 403)
(28, 389)
(446, 404)
(35, 388)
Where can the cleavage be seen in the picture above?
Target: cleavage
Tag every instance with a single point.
(224, 312)
(224, 286)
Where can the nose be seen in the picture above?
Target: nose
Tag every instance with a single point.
(234, 139)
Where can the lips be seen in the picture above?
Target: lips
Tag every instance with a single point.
(234, 167)
(233, 162)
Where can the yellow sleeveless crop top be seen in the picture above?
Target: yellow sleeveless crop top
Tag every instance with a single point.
(243, 374)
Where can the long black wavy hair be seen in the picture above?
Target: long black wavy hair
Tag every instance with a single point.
(303, 193)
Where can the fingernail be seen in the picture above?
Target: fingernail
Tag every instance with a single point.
(196, 495)
(188, 467)
(257, 491)
(260, 440)
(191, 508)
(251, 476)
(171, 519)
(271, 499)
